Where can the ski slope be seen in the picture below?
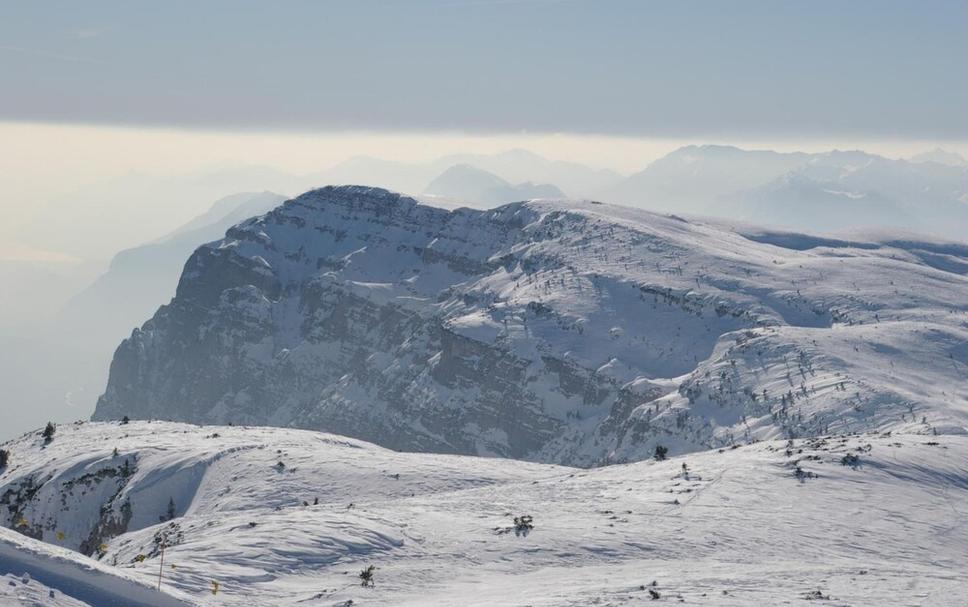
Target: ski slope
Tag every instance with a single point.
(770, 523)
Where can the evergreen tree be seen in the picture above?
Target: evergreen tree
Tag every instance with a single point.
(661, 452)
(48, 433)
(366, 576)
(4, 458)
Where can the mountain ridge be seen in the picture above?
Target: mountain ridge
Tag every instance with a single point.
(558, 331)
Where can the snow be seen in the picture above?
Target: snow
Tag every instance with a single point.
(741, 333)
(736, 526)
(32, 573)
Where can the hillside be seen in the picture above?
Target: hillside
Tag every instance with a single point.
(799, 522)
(565, 332)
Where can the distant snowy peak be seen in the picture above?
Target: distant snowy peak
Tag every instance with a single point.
(840, 189)
(941, 156)
(558, 331)
(479, 187)
(694, 178)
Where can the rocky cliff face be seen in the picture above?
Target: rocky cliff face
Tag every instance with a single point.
(575, 333)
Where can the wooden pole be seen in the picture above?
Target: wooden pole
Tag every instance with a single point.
(161, 567)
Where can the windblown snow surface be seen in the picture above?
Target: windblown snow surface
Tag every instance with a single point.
(770, 523)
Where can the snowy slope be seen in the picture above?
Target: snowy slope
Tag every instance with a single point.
(33, 573)
(736, 526)
(556, 331)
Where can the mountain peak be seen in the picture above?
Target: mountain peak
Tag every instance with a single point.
(557, 331)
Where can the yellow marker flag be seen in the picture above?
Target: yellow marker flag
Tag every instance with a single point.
(60, 536)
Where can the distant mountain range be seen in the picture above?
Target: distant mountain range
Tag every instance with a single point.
(941, 157)
(830, 192)
(512, 167)
(833, 191)
(463, 182)
(142, 278)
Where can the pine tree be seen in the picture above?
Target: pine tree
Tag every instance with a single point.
(4, 458)
(48, 433)
(661, 452)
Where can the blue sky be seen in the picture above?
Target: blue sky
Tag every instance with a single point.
(637, 68)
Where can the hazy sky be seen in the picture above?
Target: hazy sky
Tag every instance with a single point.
(770, 69)
(98, 91)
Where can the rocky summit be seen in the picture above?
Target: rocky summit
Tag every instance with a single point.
(564, 332)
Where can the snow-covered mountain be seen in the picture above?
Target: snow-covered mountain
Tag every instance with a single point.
(695, 178)
(832, 191)
(477, 187)
(844, 189)
(566, 332)
(283, 517)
